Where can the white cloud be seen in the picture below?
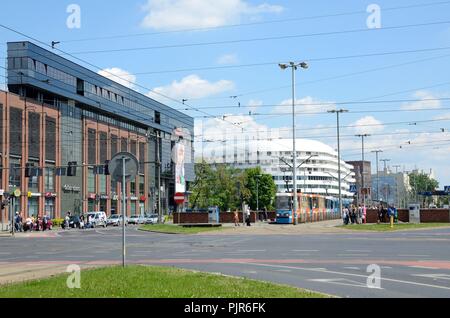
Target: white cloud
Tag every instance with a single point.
(120, 76)
(445, 116)
(367, 125)
(307, 104)
(193, 86)
(186, 14)
(228, 59)
(425, 102)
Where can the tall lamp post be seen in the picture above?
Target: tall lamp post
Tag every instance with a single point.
(294, 67)
(376, 152)
(362, 136)
(337, 112)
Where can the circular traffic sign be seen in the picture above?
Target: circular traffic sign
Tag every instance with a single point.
(179, 198)
(17, 193)
(116, 166)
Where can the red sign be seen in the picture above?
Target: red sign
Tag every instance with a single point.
(142, 198)
(179, 198)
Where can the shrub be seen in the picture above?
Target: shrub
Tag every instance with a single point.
(57, 222)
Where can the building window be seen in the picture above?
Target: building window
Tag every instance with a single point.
(49, 179)
(132, 188)
(50, 207)
(141, 185)
(15, 175)
(33, 206)
(102, 183)
(91, 180)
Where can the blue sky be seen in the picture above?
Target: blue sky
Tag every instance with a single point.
(418, 78)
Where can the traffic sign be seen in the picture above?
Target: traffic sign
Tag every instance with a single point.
(353, 188)
(116, 163)
(179, 198)
(447, 189)
(17, 193)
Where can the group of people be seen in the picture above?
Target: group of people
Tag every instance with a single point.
(391, 211)
(354, 214)
(31, 223)
(246, 217)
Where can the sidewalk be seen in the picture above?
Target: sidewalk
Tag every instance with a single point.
(264, 228)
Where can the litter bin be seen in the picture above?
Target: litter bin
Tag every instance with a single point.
(414, 213)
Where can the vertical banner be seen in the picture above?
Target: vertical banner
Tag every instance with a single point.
(178, 157)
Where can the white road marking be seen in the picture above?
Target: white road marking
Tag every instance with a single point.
(386, 267)
(351, 267)
(358, 251)
(423, 267)
(283, 270)
(305, 250)
(247, 251)
(352, 255)
(341, 281)
(434, 276)
(409, 255)
(349, 274)
(250, 272)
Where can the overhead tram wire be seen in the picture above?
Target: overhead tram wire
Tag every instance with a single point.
(250, 40)
(267, 90)
(239, 66)
(331, 104)
(113, 37)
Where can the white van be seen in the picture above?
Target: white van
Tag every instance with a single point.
(96, 218)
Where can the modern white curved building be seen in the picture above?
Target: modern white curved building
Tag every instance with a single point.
(317, 163)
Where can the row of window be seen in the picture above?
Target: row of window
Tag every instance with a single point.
(16, 63)
(91, 89)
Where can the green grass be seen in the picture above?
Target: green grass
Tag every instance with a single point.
(176, 229)
(151, 282)
(387, 227)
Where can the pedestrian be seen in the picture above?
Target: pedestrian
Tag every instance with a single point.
(247, 216)
(346, 215)
(380, 214)
(383, 214)
(66, 221)
(18, 222)
(236, 218)
(352, 214)
(265, 214)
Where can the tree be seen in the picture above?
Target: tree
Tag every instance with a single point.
(220, 186)
(421, 182)
(262, 187)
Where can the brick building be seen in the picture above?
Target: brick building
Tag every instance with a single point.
(57, 114)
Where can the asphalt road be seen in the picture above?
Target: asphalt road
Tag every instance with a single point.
(412, 264)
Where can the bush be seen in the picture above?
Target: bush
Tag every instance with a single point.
(57, 222)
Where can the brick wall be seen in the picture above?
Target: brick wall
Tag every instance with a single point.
(186, 218)
(228, 217)
(434, 215)
(426, 216)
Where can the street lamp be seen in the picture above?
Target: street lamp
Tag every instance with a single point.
(362, 136)
(337, 112)
(378, 176)
(294, 67)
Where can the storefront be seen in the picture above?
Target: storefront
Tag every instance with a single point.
(33, 203)
(142, 200)
(49, 207)
(104, 203)
(92, 202)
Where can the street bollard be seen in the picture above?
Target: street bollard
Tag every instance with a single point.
(392, 221)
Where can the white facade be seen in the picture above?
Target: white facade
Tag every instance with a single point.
(319, 175)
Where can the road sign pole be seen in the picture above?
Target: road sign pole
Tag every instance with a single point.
(124, 210)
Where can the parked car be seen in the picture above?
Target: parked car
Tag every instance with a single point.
(136, 219)
(75, 222)
(95, 219)
(115, 220)
(151, 218)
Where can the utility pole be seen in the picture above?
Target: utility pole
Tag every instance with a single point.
(337, 112)
(378, 176)
(362, 136)
(385, 161)
(396, 184)
(158, 167)
(294, 67)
